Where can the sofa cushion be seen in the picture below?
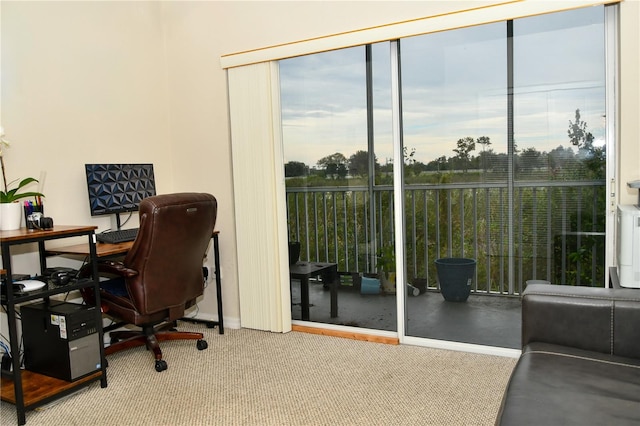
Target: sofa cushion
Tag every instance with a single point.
(558, 385)
(595, 319)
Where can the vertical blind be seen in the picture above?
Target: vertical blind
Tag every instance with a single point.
(258, 178)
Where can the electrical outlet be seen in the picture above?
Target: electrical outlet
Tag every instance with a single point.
(205, 273)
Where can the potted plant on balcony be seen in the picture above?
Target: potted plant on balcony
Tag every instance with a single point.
(386, 265)
(10, 209)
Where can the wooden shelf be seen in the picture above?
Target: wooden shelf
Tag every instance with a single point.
(102, 249)
(38, 388)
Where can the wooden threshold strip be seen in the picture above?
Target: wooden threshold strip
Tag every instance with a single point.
(346, 334)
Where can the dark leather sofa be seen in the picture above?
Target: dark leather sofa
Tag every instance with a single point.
(580, 362)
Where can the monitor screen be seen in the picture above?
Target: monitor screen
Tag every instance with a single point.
(118, 188)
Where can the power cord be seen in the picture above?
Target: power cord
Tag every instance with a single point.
(6, 357)
(6, 362)
(121, 225)
(205, 276)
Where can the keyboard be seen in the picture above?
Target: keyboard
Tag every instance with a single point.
(119, 236)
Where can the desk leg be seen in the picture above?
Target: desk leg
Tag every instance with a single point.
(333, 287)
(216, 263)
(95, 274)
(304, 296)
(216, 260)
(13, 339)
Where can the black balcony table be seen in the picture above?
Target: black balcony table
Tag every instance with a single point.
(303, 271)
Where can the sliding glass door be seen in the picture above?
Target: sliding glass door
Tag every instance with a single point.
(506, 125)
(455, 121)
(503, 154)
(560, 147)
(337, 147)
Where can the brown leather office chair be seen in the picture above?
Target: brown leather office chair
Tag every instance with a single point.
(161, 275)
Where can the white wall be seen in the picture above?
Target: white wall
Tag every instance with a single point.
(141, 81)
(629, 99)
(81, 83)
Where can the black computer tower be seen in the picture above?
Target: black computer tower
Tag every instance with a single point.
(61, 339)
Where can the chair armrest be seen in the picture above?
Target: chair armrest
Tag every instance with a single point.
(595, 319)
(108, 267)
(116, 268)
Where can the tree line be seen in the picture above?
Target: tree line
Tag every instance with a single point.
(587, 161)
(463, 221)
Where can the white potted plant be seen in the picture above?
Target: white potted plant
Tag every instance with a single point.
(10, 209)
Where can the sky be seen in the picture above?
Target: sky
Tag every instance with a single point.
(454, 85)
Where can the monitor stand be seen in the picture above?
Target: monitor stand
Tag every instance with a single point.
(118, 224)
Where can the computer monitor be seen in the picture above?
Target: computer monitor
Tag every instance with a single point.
(118, 188)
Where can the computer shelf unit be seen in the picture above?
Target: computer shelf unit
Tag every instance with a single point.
(26, 389)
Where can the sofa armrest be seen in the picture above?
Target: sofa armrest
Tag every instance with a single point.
(596, 319)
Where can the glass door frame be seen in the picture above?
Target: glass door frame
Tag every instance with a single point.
(611, 131)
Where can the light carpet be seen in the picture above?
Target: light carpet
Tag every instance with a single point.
(249, 377)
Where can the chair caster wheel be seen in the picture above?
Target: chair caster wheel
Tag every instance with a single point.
(202, 344)
(161, 365)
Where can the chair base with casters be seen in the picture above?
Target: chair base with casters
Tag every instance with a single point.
(150, 337)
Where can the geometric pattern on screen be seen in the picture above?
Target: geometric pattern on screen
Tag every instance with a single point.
(116, 188)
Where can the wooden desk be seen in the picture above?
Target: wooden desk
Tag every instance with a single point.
(27, 389)
(104, 250)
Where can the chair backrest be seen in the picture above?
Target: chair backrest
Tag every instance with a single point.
(175, 231)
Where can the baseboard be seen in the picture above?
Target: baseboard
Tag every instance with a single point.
(346, 334)
(232, 323)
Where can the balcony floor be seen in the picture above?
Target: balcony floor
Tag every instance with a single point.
(482, 319)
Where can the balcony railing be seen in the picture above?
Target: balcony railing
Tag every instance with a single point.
(532, 230)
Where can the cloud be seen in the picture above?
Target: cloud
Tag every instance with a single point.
(454, 85)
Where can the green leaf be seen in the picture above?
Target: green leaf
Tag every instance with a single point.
(12, 195)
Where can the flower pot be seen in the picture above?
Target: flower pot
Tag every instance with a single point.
(388, 281)
(10, 216)
(455, 275)
(369, 285)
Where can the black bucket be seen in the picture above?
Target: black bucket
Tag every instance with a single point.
(455, 275)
